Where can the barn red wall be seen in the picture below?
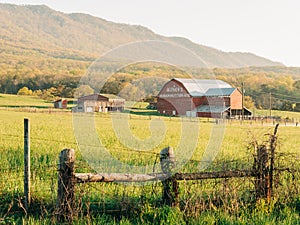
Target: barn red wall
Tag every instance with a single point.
(218, 101)
(180, 105)
(203, 114)
(197, 101)
(174, 96)
(64, 103)
(209, 114)
(236, 100)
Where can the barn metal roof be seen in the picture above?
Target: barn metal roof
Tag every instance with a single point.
(219, 91)
(198, 87)
(95, 97)
(111, 96)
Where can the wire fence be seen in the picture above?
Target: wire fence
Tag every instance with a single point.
(119, 199)
(122, 199)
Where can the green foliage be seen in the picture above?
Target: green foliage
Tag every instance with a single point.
(163, 215)
(83, 90)
(260, 83)
(249, 103)
(296, 84)
(24, 91)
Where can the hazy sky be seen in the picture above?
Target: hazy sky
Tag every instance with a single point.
(268, 28)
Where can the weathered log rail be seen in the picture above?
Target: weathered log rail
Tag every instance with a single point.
(125, 177)
(118, 177)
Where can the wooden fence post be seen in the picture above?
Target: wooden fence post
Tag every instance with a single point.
(264, 168)
(27, 163)
(170, 185)
(263, 173)
(273, 140)
(66, 184)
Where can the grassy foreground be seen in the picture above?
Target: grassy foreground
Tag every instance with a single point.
(201, 202)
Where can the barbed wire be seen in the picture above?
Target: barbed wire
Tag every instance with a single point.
(77, 145)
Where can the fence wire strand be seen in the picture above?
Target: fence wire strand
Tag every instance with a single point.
(195, 196)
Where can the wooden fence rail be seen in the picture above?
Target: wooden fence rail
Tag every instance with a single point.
(262, 172)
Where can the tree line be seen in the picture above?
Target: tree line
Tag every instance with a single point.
(263, 87)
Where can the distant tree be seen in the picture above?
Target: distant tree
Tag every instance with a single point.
(248, 102)
(112, 86)
(297, 84)
(24, 91)
(83, 90)
(47, 94)
(68, 92)
(53, 92)
(287, 106)
(132, 93)
(38, 93)
(297, 107)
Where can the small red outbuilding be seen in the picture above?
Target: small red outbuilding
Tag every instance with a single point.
(61, 103)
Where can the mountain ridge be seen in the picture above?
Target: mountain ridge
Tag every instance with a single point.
(41, 32)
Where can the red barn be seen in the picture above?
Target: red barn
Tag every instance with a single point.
(202, 98)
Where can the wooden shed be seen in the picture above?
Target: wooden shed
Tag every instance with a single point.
(61, 103)
(100, 103)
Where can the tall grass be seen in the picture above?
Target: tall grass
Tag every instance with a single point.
(201, 202)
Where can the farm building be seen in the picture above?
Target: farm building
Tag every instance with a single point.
(61, 103)
(100, 103)
(200, 98)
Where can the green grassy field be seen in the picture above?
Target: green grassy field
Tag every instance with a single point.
(282, 114)
(23, 101)
(223, 201)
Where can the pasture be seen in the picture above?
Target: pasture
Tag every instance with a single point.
(201, 202)
(7, 100)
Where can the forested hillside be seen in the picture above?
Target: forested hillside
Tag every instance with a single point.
(36, 40)
(143, 81)
(46, 53)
